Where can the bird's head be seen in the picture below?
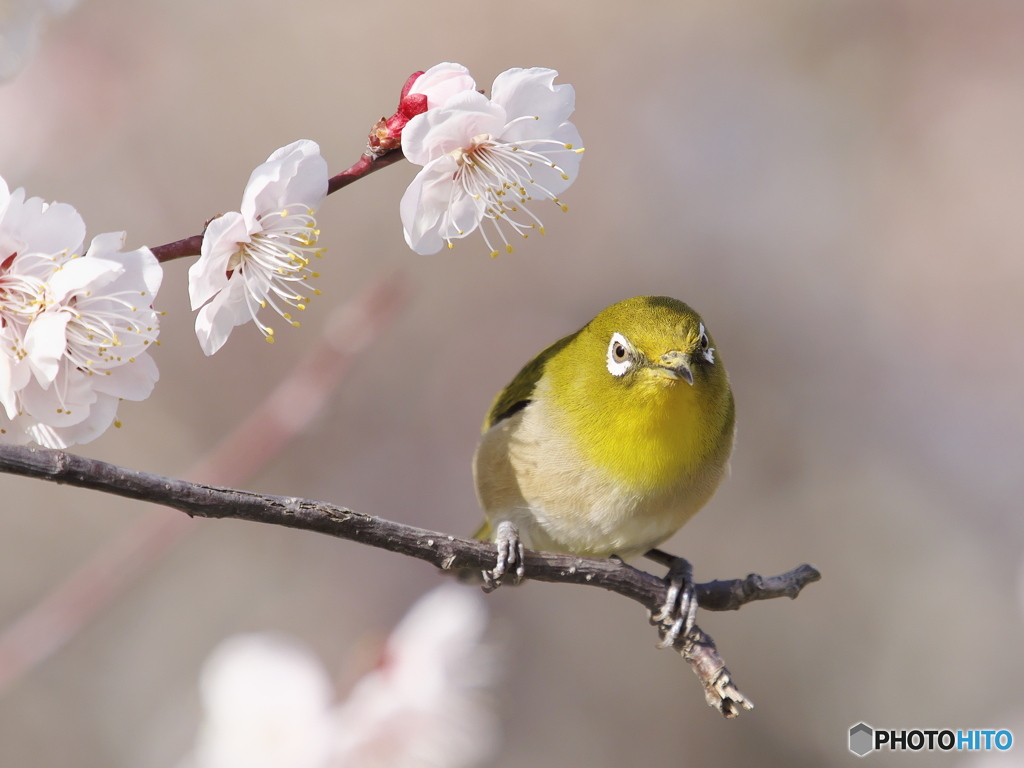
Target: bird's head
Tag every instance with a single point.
(644, 349)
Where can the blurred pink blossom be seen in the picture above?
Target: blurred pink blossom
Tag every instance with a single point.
(268, 700)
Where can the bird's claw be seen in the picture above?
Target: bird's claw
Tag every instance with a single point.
(679, 611)
(510, 553)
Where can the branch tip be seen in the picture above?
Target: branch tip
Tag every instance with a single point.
(720, 692)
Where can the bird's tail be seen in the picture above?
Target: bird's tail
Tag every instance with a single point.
(485, 531)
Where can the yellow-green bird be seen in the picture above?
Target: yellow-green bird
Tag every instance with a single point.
(609, 440)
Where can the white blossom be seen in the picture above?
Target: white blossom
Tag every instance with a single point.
(269, 703)
(259, 256)
(490, 160)
(75, 328)
(428, 704)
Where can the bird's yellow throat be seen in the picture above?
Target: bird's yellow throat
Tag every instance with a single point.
(653, 435)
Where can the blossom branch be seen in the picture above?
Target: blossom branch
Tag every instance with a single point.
(190, 246)
(367, 164)
(444, 551)
(383, 148)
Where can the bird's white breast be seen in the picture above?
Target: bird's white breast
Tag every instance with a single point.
(530, 471)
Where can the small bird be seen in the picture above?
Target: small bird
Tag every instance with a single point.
(608, 441)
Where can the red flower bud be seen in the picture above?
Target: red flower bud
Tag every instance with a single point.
(387, 133)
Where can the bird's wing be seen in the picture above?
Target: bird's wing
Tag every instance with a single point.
(519, 392)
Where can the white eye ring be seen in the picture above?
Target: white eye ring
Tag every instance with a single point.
(705, 346)
(620, 355)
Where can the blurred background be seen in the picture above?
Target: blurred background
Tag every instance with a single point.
(837, 187)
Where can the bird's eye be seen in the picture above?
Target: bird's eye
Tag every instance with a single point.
(620, 356)
(705, 345)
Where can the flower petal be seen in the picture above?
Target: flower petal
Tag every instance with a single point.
(64, 403)
(78, 275)
(132, 381)
(141, 271)
(45, 342)
(108, 242)
(531, 92)
(437, 132)
(293, 175)
(441, 82)
(56, 228)
(99, 418)
(7, 395)
(424, 204)
(209, 274)
(463, 216)
(216, 320)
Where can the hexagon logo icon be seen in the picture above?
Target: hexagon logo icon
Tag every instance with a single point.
(862, 737)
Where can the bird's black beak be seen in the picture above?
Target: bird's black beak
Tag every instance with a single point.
(677, 365)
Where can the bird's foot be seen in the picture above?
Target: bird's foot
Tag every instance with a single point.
(679, 611)
(511, 554)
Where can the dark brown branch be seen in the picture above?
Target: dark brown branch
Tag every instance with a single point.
(190, 246)
(734, 594)
(444, 551)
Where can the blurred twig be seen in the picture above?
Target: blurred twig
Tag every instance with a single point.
(444, 551)
(269, 427)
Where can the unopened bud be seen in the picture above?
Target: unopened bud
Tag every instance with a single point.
(387, 133)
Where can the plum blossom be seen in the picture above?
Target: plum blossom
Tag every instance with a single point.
(428, 703)
(260, 255)
(268, 700)
(489, 159)
(75, 329)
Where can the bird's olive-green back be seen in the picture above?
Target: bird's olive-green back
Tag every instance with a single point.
(519, 391)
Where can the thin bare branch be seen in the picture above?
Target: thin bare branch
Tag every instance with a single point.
(442, 550)
(720, 691)
(189, 246)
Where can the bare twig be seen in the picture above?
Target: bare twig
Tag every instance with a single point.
(444, 551)
(719, 690)
(189, 246)
(734, 594)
